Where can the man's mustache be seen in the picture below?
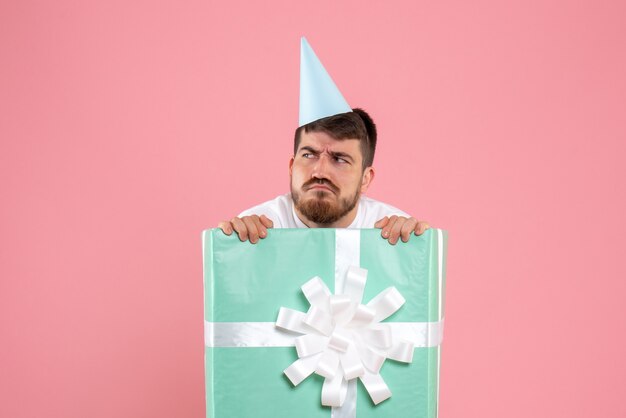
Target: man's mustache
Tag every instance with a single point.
(325, 182)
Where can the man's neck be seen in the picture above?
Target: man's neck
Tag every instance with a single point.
(344, 222)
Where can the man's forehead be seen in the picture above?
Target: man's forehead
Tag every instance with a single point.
(322, 141)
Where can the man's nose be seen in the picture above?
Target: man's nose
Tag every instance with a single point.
(321, 167)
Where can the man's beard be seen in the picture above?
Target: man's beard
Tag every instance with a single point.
(319, 210)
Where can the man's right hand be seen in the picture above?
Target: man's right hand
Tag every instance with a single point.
(250, 227)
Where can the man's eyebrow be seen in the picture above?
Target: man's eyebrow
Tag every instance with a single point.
(342, 155)
(335, 154)
(309, 149)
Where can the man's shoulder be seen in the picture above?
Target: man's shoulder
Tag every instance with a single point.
(374, 210)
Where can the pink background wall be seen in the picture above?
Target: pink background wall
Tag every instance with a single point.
(128, 127)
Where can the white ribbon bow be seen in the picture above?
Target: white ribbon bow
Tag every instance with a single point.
(343, 339)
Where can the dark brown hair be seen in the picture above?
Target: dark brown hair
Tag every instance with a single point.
(351, 125)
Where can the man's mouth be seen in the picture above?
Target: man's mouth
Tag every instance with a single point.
(321, 186)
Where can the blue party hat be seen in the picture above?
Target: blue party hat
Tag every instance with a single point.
(319, 96)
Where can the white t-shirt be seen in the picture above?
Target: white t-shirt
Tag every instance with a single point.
(282, 213)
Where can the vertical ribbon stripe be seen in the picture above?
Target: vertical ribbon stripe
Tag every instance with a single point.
(347, 253)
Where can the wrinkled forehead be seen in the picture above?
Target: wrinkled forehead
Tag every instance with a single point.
(322, 142)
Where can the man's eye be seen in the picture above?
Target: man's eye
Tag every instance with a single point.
(340, 160)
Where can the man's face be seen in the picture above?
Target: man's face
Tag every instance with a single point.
(327, 177)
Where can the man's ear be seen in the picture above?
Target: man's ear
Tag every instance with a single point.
(290, 165)
(368, 177)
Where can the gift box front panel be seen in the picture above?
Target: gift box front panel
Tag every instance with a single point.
(249, 283)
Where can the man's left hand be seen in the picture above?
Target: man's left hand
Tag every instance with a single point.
(400, 227)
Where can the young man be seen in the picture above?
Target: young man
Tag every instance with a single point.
(331, 168)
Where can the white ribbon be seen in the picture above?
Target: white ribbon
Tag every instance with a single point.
(342, 339)
(265, 334)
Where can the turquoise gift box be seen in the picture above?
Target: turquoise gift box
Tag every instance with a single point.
(245, 286)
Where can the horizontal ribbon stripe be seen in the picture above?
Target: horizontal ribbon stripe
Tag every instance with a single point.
(266, 334)
(247, 334)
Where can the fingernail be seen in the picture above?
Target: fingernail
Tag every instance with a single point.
(385, 234)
